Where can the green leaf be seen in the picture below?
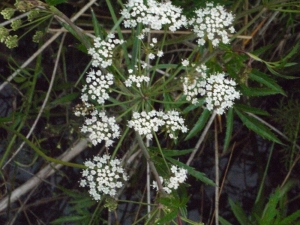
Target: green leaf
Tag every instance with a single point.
(248, 91)
(254, 57)
(278, 74)
(171, 153)
(266, 80)
(239, 213)
(65, 99)
(290, 64)
(223, 221)
(167, 217)
(198, 175)
(163, 66)
(192, 106)
(167, 98)
(257, 127)
(199, 124)
(55, 2)
(19, 79)
(96, 25)
(66, 219)
(246, 108)
(270, 211)
(83, 39)
(229, 128)
(291, 219)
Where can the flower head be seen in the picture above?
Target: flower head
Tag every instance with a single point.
(153, 14)
(214, 23)
(7, 13)
(146, 122)
(100, 128)
(102, 52)
(220, 93)
(135, 79)
(193, 84)
(103, 176)
(97, 87)
(179, 176)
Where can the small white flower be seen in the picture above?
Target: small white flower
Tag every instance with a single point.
(213, 22)
(160, 53)
(151, 56)
(219, 91)
(179, 176)
(144, 123)
(153, 14)
(137, 80)
(185, 62)
(101, 128)
(104, 180)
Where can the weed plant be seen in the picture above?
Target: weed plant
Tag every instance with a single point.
(112, 105)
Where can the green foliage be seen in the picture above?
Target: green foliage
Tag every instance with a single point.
(55, 2)
(257, 126)
(199, 125)
(287, 115)
(78, 212)
(52, 99)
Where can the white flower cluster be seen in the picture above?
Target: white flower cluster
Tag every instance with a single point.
(102, 52)
(144, 123)
(179, 176)
(100, 128)
(214, 23)
(153, 15)
(103, 176)
(193, 84)
(97, 87)
(135, 79)
(220, 92)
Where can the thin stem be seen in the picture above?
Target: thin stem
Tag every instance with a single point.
(42, 48)
(40, 152)
(201, 138)
(44, 103)
(217, 176)
(48, 170)
(151, 164)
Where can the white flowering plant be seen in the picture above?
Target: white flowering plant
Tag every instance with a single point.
(156, 80)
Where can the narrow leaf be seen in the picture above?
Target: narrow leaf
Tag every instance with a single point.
(65, 99)
(291, 219)
(192, 106)
(266, 80)
(168, 217)
(239, 213)
(229, 128)
(223, 221)
(198, 175)
(248, 91)
(270, 211)
(254, 57)
(246, 108)
(171, 153)
(66, 219)
(96, 25)
(199, 124)
(257, 127)
(55, 2)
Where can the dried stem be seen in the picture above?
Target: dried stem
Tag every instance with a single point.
(48, 170)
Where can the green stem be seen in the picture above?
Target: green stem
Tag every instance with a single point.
(39, 152)
(151, 164)
(59, 14)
